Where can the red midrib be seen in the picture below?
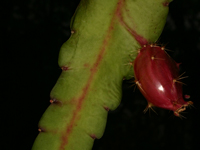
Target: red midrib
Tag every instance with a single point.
(93, 70)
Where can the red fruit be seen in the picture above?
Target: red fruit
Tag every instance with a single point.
(157, 76)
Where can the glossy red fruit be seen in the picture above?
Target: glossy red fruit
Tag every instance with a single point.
(157, 76)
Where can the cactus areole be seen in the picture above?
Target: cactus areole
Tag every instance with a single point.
(157, 76)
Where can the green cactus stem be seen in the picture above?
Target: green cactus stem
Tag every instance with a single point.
(106, 34)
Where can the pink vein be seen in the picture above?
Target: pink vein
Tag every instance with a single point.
(141, 40)
(93, 70)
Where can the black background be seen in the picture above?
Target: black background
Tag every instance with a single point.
(33, 32)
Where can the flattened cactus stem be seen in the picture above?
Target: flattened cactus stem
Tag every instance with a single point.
(104, 34)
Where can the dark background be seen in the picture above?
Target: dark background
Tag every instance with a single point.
(33, 32)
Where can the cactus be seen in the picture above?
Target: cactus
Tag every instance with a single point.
(157, 76)
(106, 34)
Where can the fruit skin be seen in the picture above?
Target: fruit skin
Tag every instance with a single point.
(157, 76)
